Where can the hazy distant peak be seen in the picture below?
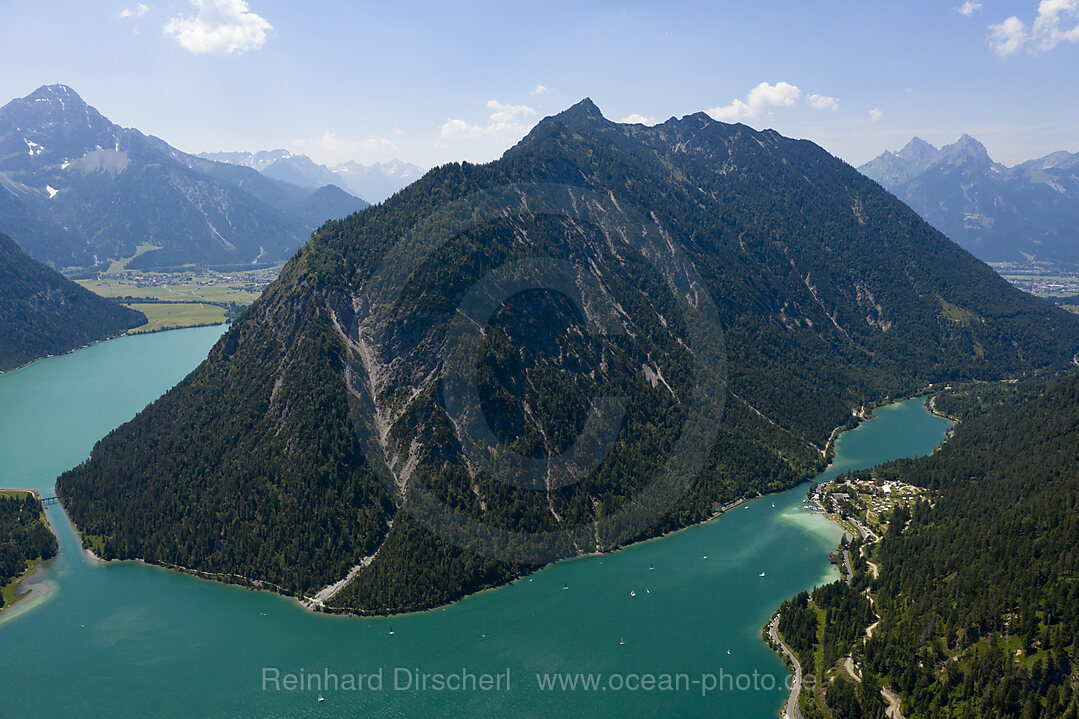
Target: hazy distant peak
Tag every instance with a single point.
(373, 183)
(52, 102)
(80, 190)
(1024, 213)
(917, 150)
(964, 151)
(1061, 159)
(55, 93)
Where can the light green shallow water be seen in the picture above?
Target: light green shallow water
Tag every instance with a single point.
(124, 639)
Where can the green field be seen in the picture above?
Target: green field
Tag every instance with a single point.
(237, 291)
(170, 316)
(192, 297)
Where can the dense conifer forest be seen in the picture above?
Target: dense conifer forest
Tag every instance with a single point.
(43, 313)
(24, 536)
(978, 591)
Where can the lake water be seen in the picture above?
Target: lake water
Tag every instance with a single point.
(122, 639)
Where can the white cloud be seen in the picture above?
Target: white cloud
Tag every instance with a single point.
(540, 90)
(969, 7)
(635, 119)
(508, 113)
(1050, 27)
(876, 114)
(1008, 36)
(506, 123)
(329, 149)
(760, 102)
(221, 27)
(1057, 22)
(138, 11)
(823, 102)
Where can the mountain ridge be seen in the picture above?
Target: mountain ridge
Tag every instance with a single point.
(80, 191)
(43, 313)
(831, 295)
(373, 183)
(1026, 213)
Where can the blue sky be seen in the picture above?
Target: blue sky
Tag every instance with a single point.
(430, 83)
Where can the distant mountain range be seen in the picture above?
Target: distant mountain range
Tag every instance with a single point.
(1026, 213)
(374, 183)
(77, 190)
(43, 313)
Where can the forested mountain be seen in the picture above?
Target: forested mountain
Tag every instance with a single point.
(77, 190)
(1029, 212)
(979, 593)
(24, 536)
(43, 313)
(373, 183)
(330, 424)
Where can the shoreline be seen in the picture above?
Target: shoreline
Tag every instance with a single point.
(133, 333)
(306, 602)
(37, 566)
(790, 709)
(78, 536)
(73, 350)
(859, 415)
(862, 415)
(88, 345)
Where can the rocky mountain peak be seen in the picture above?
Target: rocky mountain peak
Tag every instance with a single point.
(917, 151)
(964, 151)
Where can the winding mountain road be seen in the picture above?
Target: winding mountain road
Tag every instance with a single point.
(893, 711)
(792, 711)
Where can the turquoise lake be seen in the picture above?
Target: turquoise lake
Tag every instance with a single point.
(123, 639)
